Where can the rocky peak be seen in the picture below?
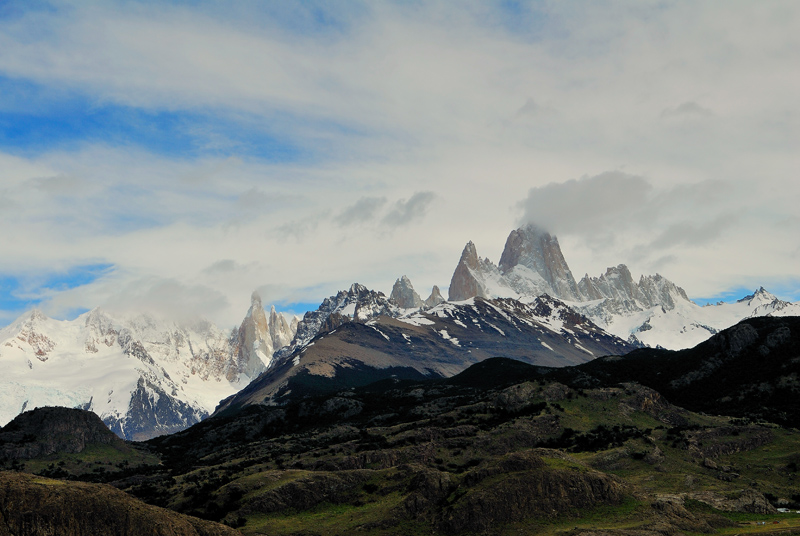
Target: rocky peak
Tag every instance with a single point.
(253, 344)
(539, 251)
(404, 295)
(616, 284)
(465, 283)
(469, 256)
(358, 304)
(435, 298)
(658, 290)
(37, 316)
(280, 331)
(258, 338)
(760, 295)
(31, 330)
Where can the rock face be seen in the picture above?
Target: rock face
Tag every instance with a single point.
(618, 285)
(404, 295)
(477, 277)
(257, 339)
(34, 506)
(536, 250)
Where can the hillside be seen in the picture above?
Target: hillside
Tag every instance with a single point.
(34, 506)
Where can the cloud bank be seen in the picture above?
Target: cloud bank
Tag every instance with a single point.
(300, 147)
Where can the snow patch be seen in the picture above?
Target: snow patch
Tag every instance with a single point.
(446, 336)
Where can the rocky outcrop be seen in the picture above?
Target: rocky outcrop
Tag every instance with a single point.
(308, 491)
(748, 500)
(528, 488)
(404, 295)
(36, 506)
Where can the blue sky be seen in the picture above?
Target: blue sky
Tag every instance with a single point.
(22, 292)
(163, 153)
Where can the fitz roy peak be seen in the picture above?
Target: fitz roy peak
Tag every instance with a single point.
(651, 312)
(531, 251)
(143, 375)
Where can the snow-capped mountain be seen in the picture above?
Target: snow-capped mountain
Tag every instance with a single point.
(143, 375)
(358, 303)
(653, 311)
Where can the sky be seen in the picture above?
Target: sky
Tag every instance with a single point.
(176, 156)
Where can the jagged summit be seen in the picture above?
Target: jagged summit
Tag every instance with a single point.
(464, 284)
(532, 265)
(761, 295)
(257, 339)
(618, 285)
(358, 303)
(404, 295)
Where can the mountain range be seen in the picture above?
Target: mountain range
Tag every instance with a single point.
(652, 312)
(145, 375)
(503, 447)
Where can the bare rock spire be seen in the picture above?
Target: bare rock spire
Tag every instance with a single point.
(404, 295)
(464, 284)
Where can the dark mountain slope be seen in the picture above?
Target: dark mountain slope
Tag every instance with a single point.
(750, 370)
(440, 342)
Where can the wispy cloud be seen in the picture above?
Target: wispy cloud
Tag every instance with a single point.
(361, 211)
(406, 211)
(687, 109)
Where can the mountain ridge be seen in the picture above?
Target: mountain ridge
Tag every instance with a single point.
(651, 312)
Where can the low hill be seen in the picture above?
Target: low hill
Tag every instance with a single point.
(34, 506)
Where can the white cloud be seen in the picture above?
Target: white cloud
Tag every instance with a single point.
(692, 106)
